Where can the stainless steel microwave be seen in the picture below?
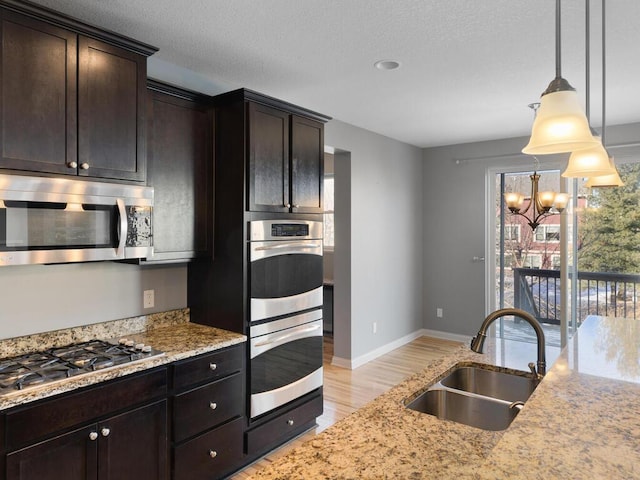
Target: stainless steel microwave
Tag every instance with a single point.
(59, 220)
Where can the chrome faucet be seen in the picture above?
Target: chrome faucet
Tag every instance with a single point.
(477, 343)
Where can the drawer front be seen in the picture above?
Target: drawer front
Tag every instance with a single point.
(208, 367)
(207, 406)
(211, 455)
(32, 422)
(284, 427)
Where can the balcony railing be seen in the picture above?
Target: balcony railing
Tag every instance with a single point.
(537, 291)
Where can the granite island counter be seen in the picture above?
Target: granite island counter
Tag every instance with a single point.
(583, 421)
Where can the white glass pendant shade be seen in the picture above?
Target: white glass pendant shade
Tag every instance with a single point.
(514, 201)
(561, 201)
(560, 125)
(610, 180)
(588, 162)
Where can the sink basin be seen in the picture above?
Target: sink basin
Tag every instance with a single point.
(474, 410)
(490, 383)
(477, 396)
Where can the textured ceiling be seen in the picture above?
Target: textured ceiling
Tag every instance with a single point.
(468, 67)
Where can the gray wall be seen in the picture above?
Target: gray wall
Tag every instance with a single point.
(455, 221)
(40, 298)
(385, 222)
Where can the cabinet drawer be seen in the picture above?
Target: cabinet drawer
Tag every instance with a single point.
(208, 367)
(210, 455)
(284, 427)
(207, 406)
(32, 422)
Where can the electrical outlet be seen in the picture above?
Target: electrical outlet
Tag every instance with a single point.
(439, 312)
(375, 327)
(148, 299)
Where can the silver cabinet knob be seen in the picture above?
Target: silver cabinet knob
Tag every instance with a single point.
(93, 436)
(290, 422)
(84, 166)
(213, 405)
(296, 206)
(213, 366)
(287, 205)
(213, 453)
(72, 164)
(105, 432)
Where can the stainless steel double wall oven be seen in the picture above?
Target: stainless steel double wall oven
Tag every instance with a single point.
(285, 329)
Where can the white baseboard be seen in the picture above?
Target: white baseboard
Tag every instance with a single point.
(352, 364)
(454, 337)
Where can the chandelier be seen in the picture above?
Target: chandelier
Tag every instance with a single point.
(541, 204)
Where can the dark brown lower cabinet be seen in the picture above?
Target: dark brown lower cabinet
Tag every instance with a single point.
(71, 456)
(132, 445)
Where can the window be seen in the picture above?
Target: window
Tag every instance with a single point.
(329, 233)
(533, 261)
(512, 232)
(548, 233)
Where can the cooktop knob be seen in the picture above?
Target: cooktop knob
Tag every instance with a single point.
(139, 346)
(146, 348)
(123, 341)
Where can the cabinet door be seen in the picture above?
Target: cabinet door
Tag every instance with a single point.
(307, 165)
(37, 96)
(134, 445)
(268, 188)
(111, 105)
(179, 168)
(71, 456)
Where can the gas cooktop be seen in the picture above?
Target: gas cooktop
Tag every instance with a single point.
(47, 366)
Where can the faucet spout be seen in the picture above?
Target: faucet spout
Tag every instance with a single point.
(477, 344)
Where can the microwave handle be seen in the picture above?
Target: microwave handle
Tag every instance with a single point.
(122, 214)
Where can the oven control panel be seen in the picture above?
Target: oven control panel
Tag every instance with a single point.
(289, 230)
(261, 230)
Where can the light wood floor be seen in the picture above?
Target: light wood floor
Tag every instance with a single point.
(347, 390)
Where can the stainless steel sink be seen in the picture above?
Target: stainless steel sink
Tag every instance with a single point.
(476, 411)
(491, 383)
(477, 396)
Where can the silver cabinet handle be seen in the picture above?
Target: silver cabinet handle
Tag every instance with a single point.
(105, 432)
(93, 436)
(213, 405)
(84, 166)
(213, 366)
(290, 422)
(72, 164)
(213, 453)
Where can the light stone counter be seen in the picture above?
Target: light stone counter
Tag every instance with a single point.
(170, 332)
(583, 422)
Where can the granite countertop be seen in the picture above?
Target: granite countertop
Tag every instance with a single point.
(169, 332)
(583, 421)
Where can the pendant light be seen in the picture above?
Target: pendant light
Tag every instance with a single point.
(611, 179)
(560, 125)
(593, 161)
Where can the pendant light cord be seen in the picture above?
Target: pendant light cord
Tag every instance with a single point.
(587, 60)
(558, 34)
(604, 76)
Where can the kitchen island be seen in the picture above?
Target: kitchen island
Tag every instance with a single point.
(583, 421)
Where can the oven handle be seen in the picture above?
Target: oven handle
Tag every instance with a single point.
(122, 213)
(269, 343)
(287, 245)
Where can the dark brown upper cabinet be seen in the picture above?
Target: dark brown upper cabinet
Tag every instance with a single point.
(180, 166)
(286, 165)
(73, 97)
(284, 151)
